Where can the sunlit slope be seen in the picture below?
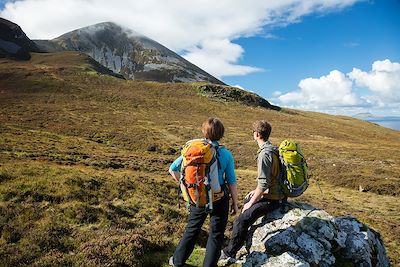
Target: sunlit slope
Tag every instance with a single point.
(86, 154)
(62, 93)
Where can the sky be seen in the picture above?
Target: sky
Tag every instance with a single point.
(333, 56)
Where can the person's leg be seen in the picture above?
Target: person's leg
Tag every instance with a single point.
(244, 221)
(218, 221)
(185, 247)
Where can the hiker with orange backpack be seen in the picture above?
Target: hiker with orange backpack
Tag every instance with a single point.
(205, 172)
(267, 196)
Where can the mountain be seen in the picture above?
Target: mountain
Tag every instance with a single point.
(84, 159)
(14, 42)
(364, 115)
(129, 53)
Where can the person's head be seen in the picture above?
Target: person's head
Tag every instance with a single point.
(213, 129)
(262, 129)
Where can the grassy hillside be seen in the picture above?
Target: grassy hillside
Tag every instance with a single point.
(84, 159)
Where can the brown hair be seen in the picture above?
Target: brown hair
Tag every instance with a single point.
(263, 128)
(213, 129)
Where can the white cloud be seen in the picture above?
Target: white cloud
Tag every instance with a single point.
(332, 90)
(277, 93)
(271, 36)
(238, 86)
(219, 57)
(202, 30)
(336, 92)
(383, 79)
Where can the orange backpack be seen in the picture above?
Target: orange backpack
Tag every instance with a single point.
(199, 181)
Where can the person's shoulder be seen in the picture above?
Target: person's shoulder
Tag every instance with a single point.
(222, 150)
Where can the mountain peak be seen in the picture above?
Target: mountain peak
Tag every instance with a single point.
(129, 53)
(109, 26)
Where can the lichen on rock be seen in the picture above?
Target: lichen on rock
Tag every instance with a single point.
(302, 235)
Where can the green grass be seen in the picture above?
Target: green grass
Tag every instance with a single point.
(84, 159)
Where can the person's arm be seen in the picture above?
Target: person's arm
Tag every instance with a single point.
(234, 196)
(264, 164)
(174, 169)
(175, 175)
(257, 195)
(231, 180)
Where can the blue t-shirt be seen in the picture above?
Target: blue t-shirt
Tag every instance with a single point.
(226, 162)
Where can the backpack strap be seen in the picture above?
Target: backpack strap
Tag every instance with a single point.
(277, 168)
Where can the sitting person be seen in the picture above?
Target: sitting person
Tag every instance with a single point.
(266, 197)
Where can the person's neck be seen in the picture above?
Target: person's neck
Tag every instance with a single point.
(260, 142)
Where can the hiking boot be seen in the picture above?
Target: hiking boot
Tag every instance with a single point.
(171, 261)
(225, 259)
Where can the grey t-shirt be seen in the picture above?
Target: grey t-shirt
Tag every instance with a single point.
(264, 165)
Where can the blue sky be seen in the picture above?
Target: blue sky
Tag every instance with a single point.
(355, 37)
(342, 40)
(337, 56)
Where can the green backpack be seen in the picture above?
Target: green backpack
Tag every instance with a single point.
(294, 169)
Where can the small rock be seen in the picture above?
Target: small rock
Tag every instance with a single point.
(285, 260)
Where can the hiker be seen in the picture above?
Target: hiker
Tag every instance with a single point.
(264, 198)
(213, 130)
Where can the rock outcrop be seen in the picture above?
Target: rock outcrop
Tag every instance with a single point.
(305, 236)
(229, 93)
(14, 42)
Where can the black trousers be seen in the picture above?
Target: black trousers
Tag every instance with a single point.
(197, 216)
(245, 220)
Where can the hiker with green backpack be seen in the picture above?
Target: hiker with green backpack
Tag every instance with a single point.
(206, 176)
(281, 174)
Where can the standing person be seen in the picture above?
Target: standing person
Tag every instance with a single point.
(213, 130)
(266, 197)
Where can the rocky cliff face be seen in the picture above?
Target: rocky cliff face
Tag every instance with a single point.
(129, 53)
(14, 42)
(305, 236)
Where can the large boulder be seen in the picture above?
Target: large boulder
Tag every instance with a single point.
(301, 235)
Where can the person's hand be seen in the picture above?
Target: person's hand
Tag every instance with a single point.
(247, 206)
(249, 195)
(234, 209)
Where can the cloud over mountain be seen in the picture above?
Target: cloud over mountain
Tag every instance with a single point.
(203, 31)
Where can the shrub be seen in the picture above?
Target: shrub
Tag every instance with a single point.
(114, 248)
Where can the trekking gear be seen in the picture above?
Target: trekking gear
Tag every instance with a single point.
(293, 169)
(199, 181)
(275, 191)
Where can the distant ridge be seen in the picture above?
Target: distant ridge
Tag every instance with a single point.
(364, 115)
(129, 53)
(14, 42)
(392, 122)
